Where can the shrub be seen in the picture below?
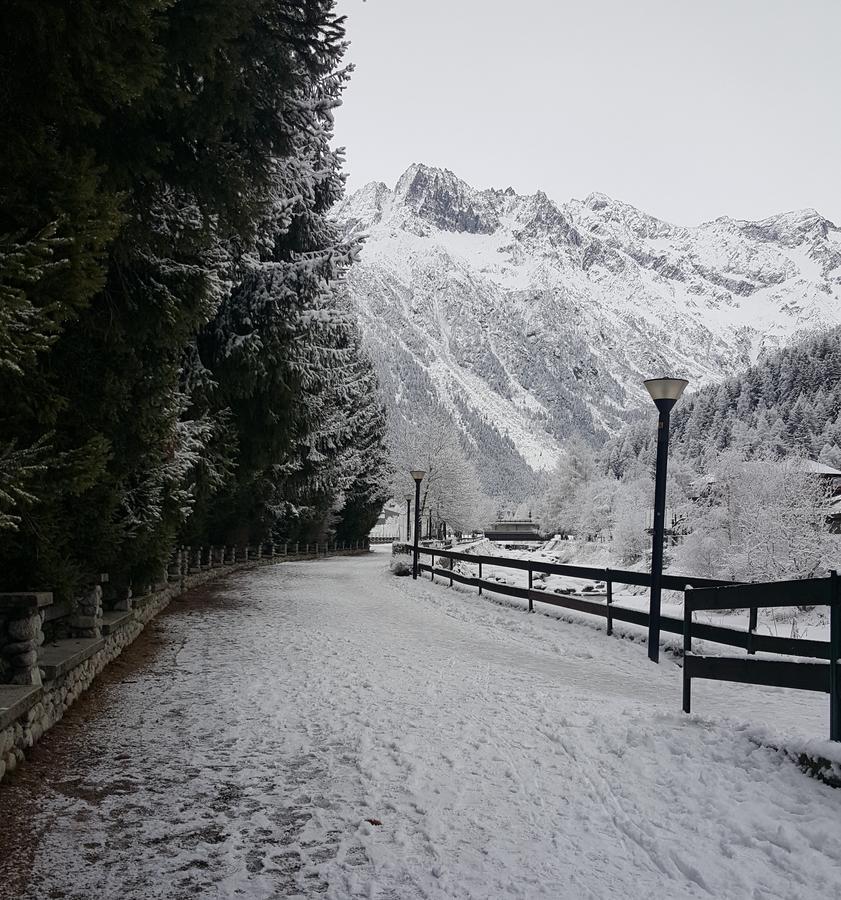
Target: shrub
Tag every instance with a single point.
(401, 564)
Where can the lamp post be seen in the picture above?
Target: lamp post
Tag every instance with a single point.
(665, 392)
(417, 474)
(408, 519)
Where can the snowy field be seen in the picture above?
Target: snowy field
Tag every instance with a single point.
(248, 737)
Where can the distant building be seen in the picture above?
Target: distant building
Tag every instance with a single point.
(391, 524)
(513, 530)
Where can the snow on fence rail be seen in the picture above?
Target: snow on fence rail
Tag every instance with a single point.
(729, 595)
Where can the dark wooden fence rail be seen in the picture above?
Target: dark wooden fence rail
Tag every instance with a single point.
(732, 596)
(804, 676)
(188, 560)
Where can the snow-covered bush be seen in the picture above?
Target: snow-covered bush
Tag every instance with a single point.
(760, 520)
(401, 564)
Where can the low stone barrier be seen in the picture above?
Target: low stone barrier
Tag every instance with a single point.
(41, 678)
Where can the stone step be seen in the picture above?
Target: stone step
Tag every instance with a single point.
(60, 657)
(111, 621)
(15, 700)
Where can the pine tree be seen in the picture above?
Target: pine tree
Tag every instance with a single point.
(171, 163)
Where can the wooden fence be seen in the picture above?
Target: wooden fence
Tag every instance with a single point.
(186, 560)
(697, 591)
(805, 676)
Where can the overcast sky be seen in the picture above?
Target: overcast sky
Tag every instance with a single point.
(688, 109)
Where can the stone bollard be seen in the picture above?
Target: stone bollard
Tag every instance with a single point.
(123, 601)
(271, 551)
(162, 580)
(19, 642)
(174, 568)
(86, 621)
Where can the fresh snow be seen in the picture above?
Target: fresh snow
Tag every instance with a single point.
(542, 319)
(505, 755)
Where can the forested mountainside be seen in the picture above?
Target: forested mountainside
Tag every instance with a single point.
(787, 404)
(178, 357)
(526, 321)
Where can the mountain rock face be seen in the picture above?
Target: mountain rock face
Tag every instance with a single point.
(527, 322)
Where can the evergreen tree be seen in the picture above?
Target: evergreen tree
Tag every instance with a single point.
(168, 178)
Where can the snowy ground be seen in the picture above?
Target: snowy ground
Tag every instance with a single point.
(246, 739)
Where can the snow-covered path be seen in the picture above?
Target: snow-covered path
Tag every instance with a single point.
(504, 755)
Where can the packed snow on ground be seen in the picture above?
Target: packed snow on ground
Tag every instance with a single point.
(328, 729)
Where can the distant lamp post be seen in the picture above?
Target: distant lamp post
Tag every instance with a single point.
(417, 474)
(665, 392)
(408, 518)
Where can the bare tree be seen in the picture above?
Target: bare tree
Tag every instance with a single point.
(450, 490)
(761, 519)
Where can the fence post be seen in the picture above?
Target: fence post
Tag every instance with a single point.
(687, 646)
(834, 654)
(531, 602)
(432, 566)
(752, 620)
(480, 579)
(452, 566)
(609, 602)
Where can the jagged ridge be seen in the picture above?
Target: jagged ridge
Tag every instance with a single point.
(528, 321)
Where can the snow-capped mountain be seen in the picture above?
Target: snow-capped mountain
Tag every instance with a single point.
(529, 321)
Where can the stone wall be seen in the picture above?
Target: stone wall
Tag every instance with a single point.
(41, 693)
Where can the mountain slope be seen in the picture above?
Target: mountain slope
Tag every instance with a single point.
(786, 405)
(526, 321)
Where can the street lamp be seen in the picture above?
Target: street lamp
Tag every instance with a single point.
(417, 474)
(665, 392)
(408, 520)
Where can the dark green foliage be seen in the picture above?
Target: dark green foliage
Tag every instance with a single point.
(158, 153)
(788, 404)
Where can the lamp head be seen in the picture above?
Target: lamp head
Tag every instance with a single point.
(417, 474)
(665, 392)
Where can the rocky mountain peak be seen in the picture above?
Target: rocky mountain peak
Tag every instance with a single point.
(444, 200)
(790, 228)
(528, 321)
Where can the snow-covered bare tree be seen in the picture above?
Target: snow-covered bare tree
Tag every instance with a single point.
(759, 520)
(576, 468)
(450, 490)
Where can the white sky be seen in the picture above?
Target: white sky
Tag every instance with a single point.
(688, 109)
